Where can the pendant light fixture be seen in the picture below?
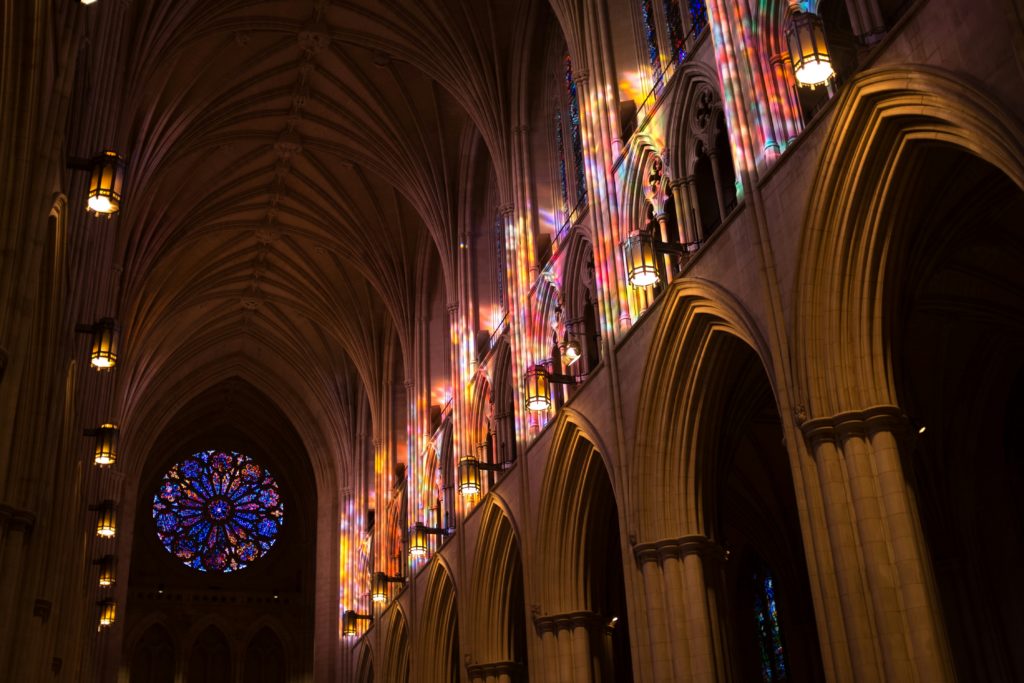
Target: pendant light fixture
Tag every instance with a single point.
(105, 334)
(106, 522)
(805, 36)
(350, 622)
(105, 453)
(107, 566)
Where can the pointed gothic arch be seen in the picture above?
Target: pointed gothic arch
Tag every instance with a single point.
(438, 659)
(881, 116)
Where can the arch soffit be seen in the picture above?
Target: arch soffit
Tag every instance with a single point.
(839, 306)
(577, 448)
(142, 626)
(696, 314)
(497, 551)
(215, 621)
(437, 622)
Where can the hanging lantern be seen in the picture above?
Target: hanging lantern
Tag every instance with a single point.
(106, 523)
(572, 351)
(107, 576)
(104, 198)
(538, 396)
(805, 35)
(105, 453)
(348, 623)
(379, 590)
(469, 477)
(641, 265)
(108, 612)
(418, 540)
(104, 344)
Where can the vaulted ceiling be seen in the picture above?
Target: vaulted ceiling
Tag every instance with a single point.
(297, 177)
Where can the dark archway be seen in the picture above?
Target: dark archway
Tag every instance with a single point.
(754, 516)
(210, 658)
(153, 657)
(265, 659)
(957, 327)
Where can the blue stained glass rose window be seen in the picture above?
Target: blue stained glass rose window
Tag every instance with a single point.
(218, 511)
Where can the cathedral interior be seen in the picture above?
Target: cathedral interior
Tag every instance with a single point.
(489, 341)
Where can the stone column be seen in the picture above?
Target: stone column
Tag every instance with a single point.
(498, 672)
(889, 603)
(574, 634)
(683, 576)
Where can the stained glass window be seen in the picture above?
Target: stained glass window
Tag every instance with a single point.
(766, 616)
(576, 134)
(676, 34)
(647, 9)
(560, 146)
(218, 511)
(698, 15)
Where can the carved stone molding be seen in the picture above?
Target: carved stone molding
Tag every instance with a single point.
(659, 551)
(13, 518)
(554, 623)
(859, 422)
(511, 669)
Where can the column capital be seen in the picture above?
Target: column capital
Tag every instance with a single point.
(569, 620)
(16, 519)
(694, 544)
(863, 422)
(506, 210)
(510, 669)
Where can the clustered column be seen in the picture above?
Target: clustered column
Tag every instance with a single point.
(890, 627)
(682, 579)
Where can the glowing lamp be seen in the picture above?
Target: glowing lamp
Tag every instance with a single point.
(379, 586)
(104, 197)
(106, 523)
(103, 354)
(418, 540)
(350, 622)
(572, 351)
(538, 395)
(104, 344)
(107, 571)
(469, 476)
(105, 453)
(108, 613)
(805, 35)
(641, 265)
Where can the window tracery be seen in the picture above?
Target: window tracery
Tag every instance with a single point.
(218, 511)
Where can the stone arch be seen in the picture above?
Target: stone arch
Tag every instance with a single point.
(209, 656)
(580, 297)
(497, 628)
(680, 110)
(580, 577)
(576, 463)
(395, 659)
(266, 657)
(839, 322)
(364, 665)
(438, 659)
(153, 653)
(667, 483)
